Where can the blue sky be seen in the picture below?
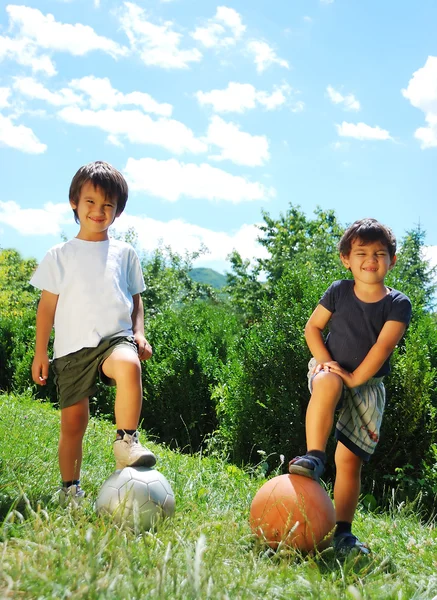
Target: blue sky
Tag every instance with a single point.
(217, 111)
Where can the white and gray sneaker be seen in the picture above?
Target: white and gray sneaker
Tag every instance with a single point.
(129, 452)
(73, 494)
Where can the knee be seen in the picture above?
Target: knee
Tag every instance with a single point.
(74, 428)
(127, 369)
(348, 463)
(328, 383)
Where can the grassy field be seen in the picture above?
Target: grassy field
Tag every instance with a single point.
(206, 550)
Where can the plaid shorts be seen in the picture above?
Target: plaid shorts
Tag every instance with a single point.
(75, 374)
(360, 415)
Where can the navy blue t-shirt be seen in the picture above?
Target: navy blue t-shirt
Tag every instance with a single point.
(355, 325)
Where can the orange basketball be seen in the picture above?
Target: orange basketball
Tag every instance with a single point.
(295, 510)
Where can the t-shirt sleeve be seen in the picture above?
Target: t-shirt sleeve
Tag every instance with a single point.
(329, 298)
(400, 309)
(135, 277)
(48, 274)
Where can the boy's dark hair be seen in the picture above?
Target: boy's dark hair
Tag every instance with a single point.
(105, 176)
(367, 231)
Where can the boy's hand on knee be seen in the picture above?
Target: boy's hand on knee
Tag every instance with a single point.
(347, 377)
(144, 348)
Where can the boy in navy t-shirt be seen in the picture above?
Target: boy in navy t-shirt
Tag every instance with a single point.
(366, 321)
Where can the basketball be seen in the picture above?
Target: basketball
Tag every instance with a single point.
(294, 510)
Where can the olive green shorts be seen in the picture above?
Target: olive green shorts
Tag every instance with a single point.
(75, 374)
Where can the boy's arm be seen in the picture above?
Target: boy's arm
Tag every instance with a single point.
(144, 348)
(388, 338)
(314, 334)
(45, 317)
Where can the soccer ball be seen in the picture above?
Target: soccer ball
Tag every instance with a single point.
(136, 496)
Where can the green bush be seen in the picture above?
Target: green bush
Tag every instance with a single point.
(190, 346)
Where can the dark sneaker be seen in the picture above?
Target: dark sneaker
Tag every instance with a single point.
(308, 466)
(348, 542)
(73, 495)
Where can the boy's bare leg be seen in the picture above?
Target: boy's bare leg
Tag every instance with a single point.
(124, 367)
(326, 392)
(74, 421)
(347, 483)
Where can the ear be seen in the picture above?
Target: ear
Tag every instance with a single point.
(393, 261)
(345, 260)
(73, 204)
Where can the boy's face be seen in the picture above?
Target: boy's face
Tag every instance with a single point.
(95, 212)
(369, 263)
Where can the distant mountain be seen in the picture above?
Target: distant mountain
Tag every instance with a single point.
(213, 278)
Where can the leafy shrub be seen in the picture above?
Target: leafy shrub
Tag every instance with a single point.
(190, 346)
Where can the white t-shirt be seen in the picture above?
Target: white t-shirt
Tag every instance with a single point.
(95, 282)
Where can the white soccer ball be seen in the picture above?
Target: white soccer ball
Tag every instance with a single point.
(136, 496)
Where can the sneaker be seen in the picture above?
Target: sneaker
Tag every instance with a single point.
(348, 542)
(129, 452)
(73, 494)
(308, 466)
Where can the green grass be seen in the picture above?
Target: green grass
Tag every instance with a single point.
(206, 550)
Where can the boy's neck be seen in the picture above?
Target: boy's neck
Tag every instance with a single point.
(92, 237)
(370, 292)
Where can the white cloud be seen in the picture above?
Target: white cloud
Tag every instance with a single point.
(182, 236)
(19, 137)
(239, 97)
(36, 221)
(361, 131)
(422, 93)
(171, 179)
(33, 89)
(4, 95)
(224, 30)
(96, 92)
(137, 127)
(50, 34)
(235, 145)
(101, 93)
(26, 53)
(157, 45)
(265, 56)
(349, 102)
(430, 253)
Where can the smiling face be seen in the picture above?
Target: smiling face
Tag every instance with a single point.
(95, 211)
(369, 263)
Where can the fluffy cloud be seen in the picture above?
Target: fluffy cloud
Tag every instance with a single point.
(49, 34)
(4, 95)
(348, 102)
(36, 221)
(224, 30)
(171, 179)
(19, 137)
(137, 127)
(157, 45)
(235, 145)
(95, 92)
(182, 236)
(239, 97)
(361, 131)
(265, 56)
(26, 53)
(422, 93)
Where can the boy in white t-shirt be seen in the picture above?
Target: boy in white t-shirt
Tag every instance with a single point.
(91, 293)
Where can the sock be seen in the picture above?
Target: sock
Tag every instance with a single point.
(342, 527)
(318, 454)
(121, 432)
(66, 484)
